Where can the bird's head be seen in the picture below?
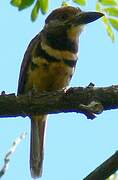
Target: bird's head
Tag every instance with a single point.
(67, 23)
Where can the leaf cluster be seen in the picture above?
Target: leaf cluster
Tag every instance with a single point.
(38, 5)
(110, 20)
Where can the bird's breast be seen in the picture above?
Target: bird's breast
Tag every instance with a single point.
(48, 76)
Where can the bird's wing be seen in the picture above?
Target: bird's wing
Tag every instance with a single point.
(25, 64)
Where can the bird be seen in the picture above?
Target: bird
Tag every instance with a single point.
(48, 65)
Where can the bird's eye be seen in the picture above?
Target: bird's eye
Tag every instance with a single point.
(63, 17)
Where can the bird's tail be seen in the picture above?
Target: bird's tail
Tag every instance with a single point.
(38, 126)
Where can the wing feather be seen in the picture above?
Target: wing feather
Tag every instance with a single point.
(25, 64)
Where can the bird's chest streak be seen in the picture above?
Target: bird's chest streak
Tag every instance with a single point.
(45, 76)
(49, 75)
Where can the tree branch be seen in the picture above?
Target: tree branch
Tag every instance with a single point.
(109, 167)
(88, 101)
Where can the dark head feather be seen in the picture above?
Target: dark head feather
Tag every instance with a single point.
(63, 13)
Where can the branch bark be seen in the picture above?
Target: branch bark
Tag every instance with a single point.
(88, 101)
(109, 167)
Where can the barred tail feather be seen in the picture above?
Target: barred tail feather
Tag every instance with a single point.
(38, 126)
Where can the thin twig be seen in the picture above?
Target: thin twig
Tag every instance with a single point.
(10, 152)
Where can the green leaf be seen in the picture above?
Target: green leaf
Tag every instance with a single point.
(112, 11)
(64, 3)
(106, 22)
(44, 6)
(16, 2)
(35, 11)
(98, 7)
(22, 4)
(114, 22)
(108, 28)
(109, 2)
(80, 2)
(26, 4)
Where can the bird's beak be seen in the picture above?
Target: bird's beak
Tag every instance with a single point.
(86, 17)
